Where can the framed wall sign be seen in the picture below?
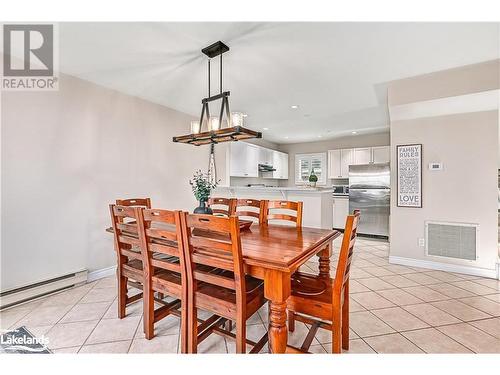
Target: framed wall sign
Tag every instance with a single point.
(409, 175)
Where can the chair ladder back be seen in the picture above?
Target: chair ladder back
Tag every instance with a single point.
(124, 242)
(346, 252)
(215, 242)
(270, 206)
(134, 202)
(131, 202)
(160, 234)
(245, 208)
(228, 209)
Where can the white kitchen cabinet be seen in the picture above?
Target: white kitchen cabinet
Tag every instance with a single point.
(347, 156)
(340, 211)
(338, 163)
(244, 160)
(362, 155)
(381, 154)
(334, 164)
(340, 160)
(280, 163)
(266, 156)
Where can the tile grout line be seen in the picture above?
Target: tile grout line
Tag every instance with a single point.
(75, 322)
(41, 299)
(399, 332)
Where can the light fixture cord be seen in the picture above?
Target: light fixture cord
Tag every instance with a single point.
(209, 78)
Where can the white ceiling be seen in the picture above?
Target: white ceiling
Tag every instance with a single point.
(336, 72)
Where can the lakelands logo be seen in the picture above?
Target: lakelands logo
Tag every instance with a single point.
(30, 58)
(22, 341)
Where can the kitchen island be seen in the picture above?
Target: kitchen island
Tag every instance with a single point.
(317, 211)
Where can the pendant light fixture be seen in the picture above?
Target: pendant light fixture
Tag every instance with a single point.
(225, 127)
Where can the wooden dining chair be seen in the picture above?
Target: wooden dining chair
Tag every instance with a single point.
(315, 300)
(273, 210)
(133, 202)
(129, 269)
(160, 236)
(250, 209)
(222, 206)
(227, 292)
(137, 202)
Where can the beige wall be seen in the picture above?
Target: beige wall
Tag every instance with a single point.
(65, 156)
(362, 140)
(465, 191)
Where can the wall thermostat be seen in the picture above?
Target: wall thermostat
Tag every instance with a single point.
(435, 166)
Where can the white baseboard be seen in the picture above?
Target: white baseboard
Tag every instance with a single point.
(100, 274)
(474, 271)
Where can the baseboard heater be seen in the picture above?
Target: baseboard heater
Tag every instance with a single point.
(29, 292)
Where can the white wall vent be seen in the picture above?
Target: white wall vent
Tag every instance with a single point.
(452, 240)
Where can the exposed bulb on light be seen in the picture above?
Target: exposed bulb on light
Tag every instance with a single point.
(237, 119)
(195, 127)
(213, 123)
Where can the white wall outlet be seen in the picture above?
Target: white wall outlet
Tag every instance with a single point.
(421, 242)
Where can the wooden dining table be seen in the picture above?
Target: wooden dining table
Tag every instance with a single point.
(273, 253)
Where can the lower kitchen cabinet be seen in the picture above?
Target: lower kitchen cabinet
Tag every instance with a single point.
(340, 211)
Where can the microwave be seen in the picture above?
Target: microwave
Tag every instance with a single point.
(343, 189)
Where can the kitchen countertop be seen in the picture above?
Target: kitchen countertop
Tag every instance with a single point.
(279, 188)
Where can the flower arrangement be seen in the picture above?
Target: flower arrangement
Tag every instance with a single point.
(202, 186)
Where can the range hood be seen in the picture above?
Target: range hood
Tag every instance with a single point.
(266, 168)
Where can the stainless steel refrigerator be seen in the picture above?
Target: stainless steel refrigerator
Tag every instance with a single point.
(369, 191)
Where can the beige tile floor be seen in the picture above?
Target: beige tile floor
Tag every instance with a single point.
(394, 309)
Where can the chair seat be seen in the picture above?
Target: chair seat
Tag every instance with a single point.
(311, 295)
(133, 270)
(166, 275)
(135, 265)
(206, 293)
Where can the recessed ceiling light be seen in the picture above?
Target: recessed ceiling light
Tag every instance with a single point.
(265, 128)
(286, 137)
(319, 136)
(354, 132)
(295, 106)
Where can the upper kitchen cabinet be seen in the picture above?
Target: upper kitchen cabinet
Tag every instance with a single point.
(338, 163)
(362, 155)
(244, 160)
(266, 156)
(306, 163)
(340, 160)
(280, 163)
(381, 154)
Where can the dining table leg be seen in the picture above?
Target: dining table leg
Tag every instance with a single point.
(324, 260)
(277, 290)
